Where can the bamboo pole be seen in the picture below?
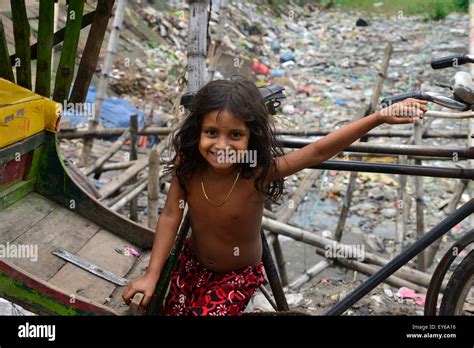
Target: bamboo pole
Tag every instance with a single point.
(309, 274)
(197, 44)
(133, 157)
(370, 270)
(153, 188)
(103, 81)
(400, 223)
(90, 56)
(101, 133)
(363, 113)
(6, 71)
(45, 42)
(21, 32)
(94, 167)
(129, 197)
(420, 225)
(126, 191)
(67, 62)
(323, 243)
(120, 180)
(115, 166)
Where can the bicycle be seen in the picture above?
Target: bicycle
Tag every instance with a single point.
(460, 286)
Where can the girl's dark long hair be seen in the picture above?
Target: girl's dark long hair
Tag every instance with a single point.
(242, 98)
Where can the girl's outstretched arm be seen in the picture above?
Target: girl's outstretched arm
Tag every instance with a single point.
(335, 142)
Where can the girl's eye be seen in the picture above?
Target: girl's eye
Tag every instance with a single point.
(211, 132)
(236, 135)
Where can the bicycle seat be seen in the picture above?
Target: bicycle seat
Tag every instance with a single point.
(463, 86)
(271, 95)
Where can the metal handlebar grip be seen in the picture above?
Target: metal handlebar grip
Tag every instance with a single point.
(451, 61)
(398, 98)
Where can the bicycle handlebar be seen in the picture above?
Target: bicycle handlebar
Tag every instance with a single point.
(429, 96)
(452, 61)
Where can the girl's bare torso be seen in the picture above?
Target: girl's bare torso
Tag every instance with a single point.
(227, 237)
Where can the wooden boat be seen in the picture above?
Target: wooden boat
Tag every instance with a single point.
(44, 206)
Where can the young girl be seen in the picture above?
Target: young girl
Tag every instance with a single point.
(215, 172)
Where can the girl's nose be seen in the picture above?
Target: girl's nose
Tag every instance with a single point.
(222, 143)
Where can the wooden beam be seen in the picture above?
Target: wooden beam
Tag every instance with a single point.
(21, 31)
(5, 68)
(67, 62)
(91, 52)
(45, 42)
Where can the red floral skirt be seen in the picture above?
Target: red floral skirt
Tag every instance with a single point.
(195, 290)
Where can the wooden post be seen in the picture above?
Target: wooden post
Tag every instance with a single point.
(103, 81)
(153, 187)
(420, 225)
(364, 112)
(21, 32)
(67, 62)
(91, 52)
(216, 48)
(45, 45)
(5, 67)
(197, 43)
(133, 157)
(400, 222)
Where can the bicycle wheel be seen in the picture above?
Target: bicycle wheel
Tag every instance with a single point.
(459, 291)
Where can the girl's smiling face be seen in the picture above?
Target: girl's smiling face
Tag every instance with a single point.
(221, 131)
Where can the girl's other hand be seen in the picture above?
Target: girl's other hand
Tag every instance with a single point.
(145, 284)
(404, 111)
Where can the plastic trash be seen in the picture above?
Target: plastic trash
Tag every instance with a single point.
(276, 46)
(287, 56)
(260, 68)
(410, 293)
(277, 72)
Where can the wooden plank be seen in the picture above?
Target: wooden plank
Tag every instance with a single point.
(67, 62)
(13, 170)
(16, 192)
(45, 43)
(99, 250)
(5, 68)
(63, 229)
(137, 270)
(21, 216)
(91, 52)
(19, 148)
(21, 30)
